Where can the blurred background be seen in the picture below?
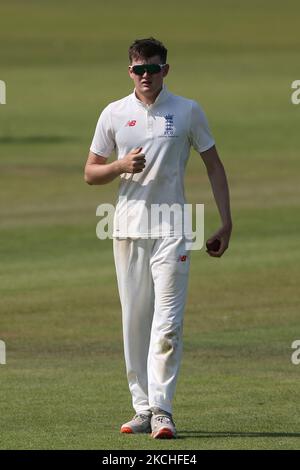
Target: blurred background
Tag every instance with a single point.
(64, 383)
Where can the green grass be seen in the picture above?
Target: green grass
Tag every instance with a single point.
(64, 384)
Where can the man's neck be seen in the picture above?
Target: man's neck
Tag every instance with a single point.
(148, 99)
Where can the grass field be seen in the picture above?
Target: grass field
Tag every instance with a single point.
(64, 384)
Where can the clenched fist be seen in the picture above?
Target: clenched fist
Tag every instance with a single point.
(133, 162)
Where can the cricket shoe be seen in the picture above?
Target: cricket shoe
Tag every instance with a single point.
(163, 426)
(140, 423)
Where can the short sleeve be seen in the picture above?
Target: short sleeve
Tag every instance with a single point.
(200, 136)
(103, 142)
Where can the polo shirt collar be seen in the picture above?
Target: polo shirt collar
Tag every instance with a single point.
(163, 95)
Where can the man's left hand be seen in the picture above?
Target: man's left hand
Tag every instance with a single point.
(223, 234)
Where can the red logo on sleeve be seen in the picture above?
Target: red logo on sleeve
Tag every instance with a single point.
(182, 258)
(131, 123)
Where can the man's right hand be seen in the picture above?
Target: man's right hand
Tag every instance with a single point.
(133, 162)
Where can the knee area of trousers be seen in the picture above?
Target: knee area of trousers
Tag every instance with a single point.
(167, 343)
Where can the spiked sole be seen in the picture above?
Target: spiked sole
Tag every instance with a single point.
(163, 433)
(126, 430)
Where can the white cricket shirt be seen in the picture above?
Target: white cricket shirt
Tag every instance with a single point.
(165, 130)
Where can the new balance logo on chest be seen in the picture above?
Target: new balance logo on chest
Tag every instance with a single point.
(130, 123)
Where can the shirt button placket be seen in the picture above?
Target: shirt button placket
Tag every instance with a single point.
(149, 123)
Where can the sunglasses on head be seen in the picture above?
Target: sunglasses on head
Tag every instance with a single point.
(149, 68)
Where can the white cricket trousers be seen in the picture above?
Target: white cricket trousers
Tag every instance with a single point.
(152, 277)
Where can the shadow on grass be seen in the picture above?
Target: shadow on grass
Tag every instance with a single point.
(208, 434)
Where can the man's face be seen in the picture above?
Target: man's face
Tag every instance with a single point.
(148, 84)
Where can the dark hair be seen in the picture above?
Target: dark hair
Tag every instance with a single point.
(146, 48)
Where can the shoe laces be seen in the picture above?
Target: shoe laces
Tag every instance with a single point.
(141, 417)
(164, 419)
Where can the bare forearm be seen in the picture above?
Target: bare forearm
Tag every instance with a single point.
(102, 174)
(218, 181)
(98, 171)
